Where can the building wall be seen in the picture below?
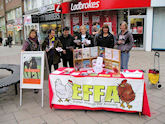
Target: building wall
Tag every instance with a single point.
(12, 4)
(157, 3)
(1, 8)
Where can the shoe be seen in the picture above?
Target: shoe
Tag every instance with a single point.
(36, 91)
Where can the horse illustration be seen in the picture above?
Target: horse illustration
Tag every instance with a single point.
(32, 64)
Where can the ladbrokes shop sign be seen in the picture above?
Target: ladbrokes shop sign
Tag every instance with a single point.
(95, 5)
(120, 93)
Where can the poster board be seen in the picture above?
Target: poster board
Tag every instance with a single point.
(32, 71)
(86, 57)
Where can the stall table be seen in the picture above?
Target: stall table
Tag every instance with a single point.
(85, 90)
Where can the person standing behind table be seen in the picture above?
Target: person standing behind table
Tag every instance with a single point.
(84, 37)
(68, 46)
(95, 32)
(32, 44)
(49, 45)
(95, 28)
(124, 43)
(105, 38)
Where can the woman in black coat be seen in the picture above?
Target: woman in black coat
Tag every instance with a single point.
(105, 38)
(84, 39)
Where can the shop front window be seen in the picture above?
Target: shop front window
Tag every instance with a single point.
(137, 29)
(136, 25)
(44, 27)
(137, 11)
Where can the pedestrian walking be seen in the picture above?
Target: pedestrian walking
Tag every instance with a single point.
(68, 46)
(52, 45)
(124, 43)
(10, 39)
(105, 38)
(1, 41)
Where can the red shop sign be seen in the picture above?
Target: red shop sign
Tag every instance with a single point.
(91, 5)
(57, 8)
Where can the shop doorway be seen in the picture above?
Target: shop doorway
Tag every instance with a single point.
(136, 25)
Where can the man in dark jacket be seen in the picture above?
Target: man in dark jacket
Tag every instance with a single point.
(105, 39)
(68, 46)
(49, 45)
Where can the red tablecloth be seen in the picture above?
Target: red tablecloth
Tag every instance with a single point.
(145, 108)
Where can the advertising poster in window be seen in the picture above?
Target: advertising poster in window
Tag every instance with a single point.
(76, 21)
(86, 22)
(96, 19)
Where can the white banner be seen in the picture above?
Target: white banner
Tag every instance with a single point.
(120, 93)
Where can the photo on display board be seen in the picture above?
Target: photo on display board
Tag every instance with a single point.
(116, 55)
(86, 53)
(108, 53)
(115, 67)
(101, 52)
(78, 65)
(108, 64)
(86, 64)
(77, 54)
(94, 62)
(94, 52)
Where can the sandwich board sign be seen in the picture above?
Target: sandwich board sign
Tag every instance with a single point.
(32, 71)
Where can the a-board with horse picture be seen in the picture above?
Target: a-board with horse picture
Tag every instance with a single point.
(32, 67)
(32, 70)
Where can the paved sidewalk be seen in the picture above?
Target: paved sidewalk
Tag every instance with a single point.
(32, 113)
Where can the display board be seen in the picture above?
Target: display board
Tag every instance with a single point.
(86, 58)
(32, 71)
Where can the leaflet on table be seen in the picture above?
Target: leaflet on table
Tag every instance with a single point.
(135, 74)
(57, 72)
(75, 73)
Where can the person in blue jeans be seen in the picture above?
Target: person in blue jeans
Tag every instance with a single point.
(124, 44)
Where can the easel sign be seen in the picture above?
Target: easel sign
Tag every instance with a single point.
(32, 71)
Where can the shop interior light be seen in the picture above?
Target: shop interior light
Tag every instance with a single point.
(53, 26)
